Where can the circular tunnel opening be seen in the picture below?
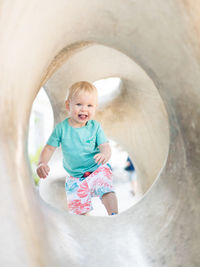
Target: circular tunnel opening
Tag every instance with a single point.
(132, 115)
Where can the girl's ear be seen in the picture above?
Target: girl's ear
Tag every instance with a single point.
(67, 105)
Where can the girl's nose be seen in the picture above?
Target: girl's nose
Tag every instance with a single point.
(83, 107)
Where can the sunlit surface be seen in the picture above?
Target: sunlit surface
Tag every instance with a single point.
(40, 126)
(108, 89)
(41, 121)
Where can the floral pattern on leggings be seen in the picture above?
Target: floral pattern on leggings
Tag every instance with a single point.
(80, 191)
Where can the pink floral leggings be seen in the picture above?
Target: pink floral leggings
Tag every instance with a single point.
(80, 190)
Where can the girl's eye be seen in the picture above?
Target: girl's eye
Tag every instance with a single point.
(90, 106)
(78, 104)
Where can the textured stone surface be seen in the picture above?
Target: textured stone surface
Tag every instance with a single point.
(161, 42)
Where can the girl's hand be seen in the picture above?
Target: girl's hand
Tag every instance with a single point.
(101, 158)
(43, 170)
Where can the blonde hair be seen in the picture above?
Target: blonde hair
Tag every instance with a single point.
(80, 87)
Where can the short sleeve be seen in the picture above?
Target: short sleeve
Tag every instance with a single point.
(101, 138)
(55, 137)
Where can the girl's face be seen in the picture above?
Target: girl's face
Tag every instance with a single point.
(82, 108)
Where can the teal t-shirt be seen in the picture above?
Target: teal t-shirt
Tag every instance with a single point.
(79, 145)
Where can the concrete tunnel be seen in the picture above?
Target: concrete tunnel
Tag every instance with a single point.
(154, 48)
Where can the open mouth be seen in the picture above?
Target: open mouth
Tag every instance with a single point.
(82, 117)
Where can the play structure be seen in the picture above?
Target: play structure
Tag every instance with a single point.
(154, 47)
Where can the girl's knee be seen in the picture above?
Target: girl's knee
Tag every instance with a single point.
(108, 194)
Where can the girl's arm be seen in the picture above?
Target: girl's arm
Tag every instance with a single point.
(43, 169)
(104, 155)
